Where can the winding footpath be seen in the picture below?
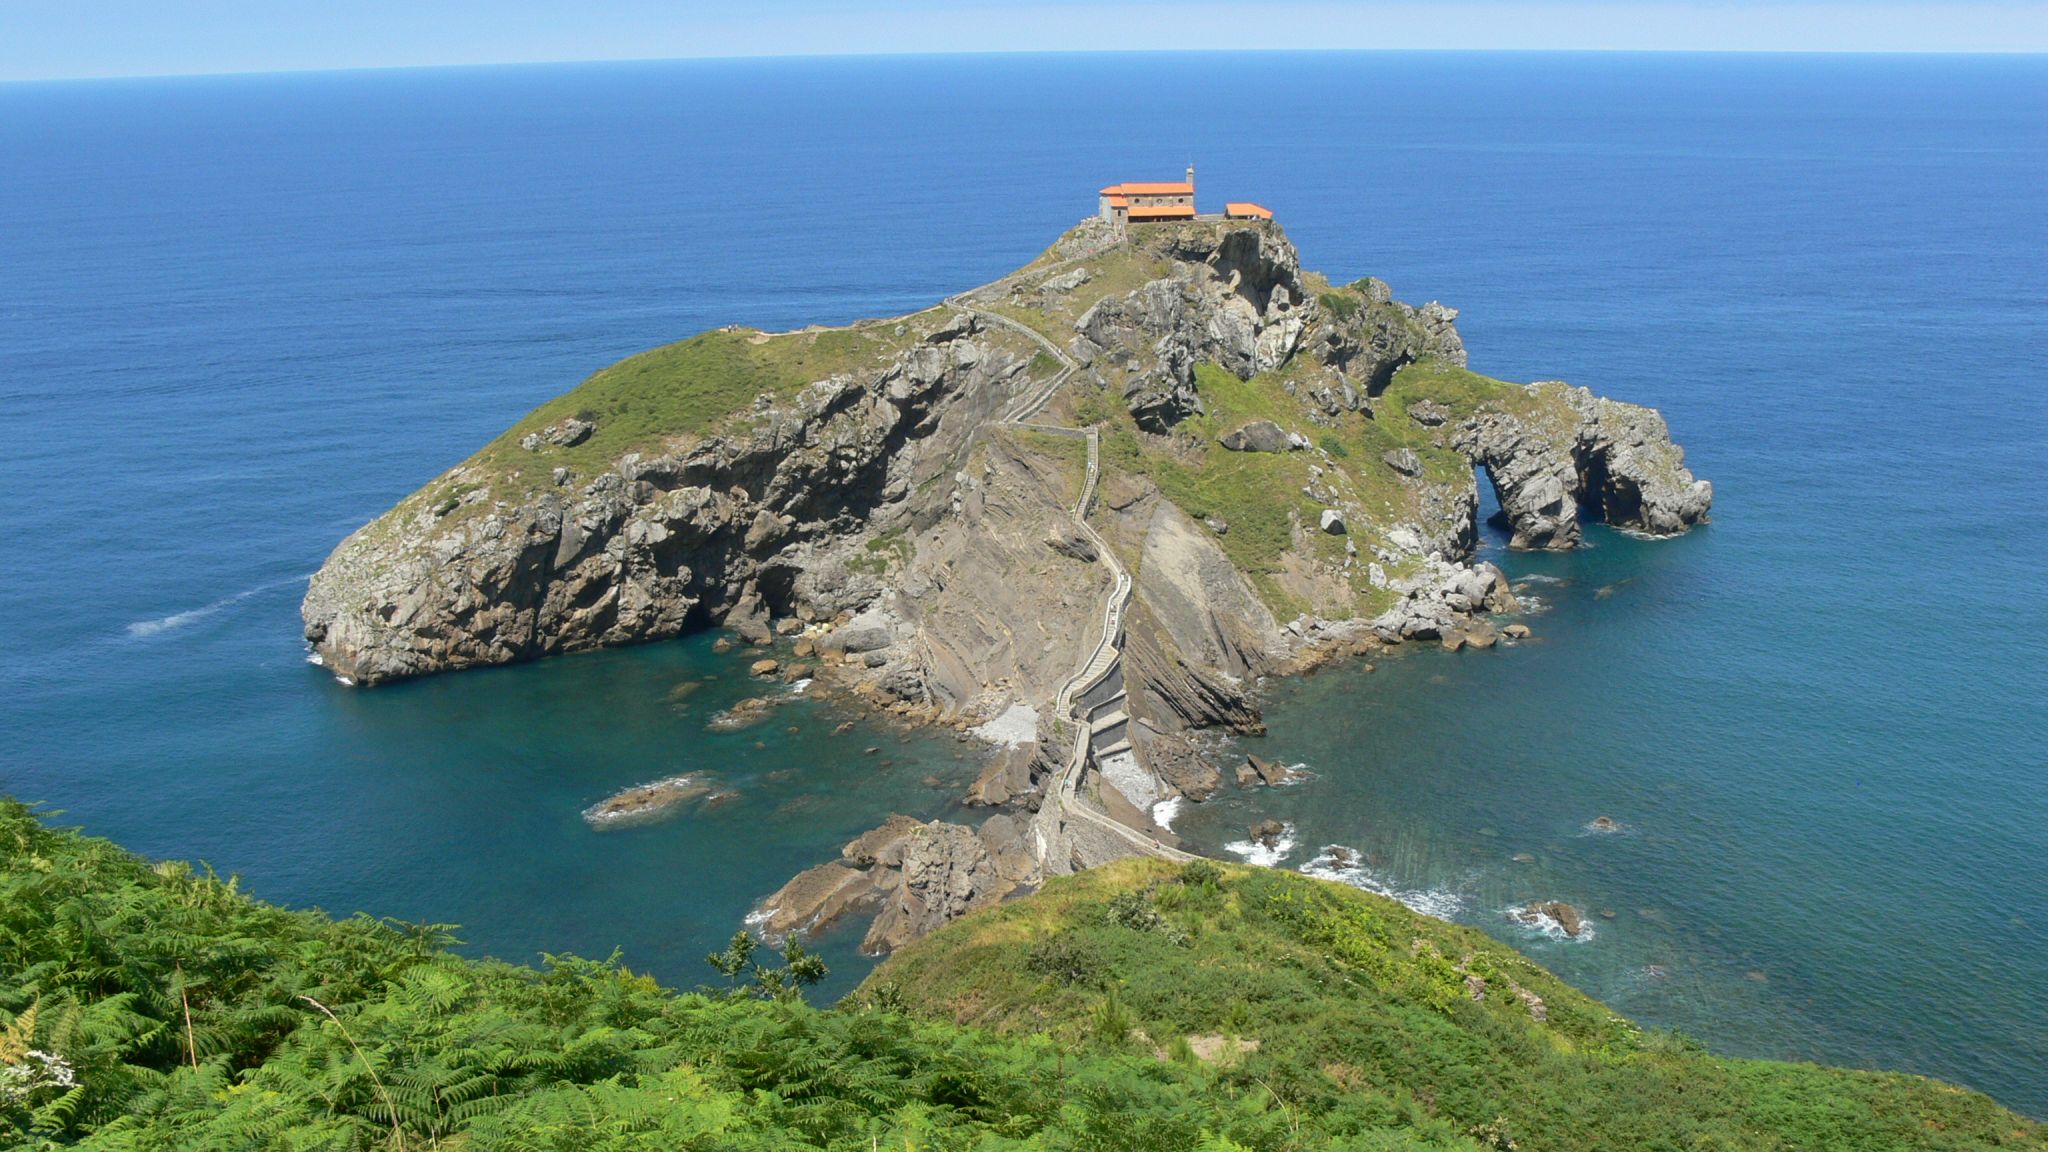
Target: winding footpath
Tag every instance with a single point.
(1107, 654)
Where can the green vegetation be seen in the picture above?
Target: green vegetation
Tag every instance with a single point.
(1356, 1016)
(1342, 305)
(1261, 495)
(883, 552)
(1258, 493)
(155, 1007)
(692, 388)
(1069, 454)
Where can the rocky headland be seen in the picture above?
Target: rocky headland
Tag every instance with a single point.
(1281, 470)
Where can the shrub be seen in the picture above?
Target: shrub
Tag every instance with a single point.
(1066, 958)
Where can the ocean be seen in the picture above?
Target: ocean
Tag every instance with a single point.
(240, 316)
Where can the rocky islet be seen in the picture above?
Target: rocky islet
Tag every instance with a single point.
(1288, 470)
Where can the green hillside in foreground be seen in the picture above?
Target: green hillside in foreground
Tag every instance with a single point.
(1136, 1007)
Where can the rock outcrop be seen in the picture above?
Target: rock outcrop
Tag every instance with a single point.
(762, 515)
(1234, 298)
(712, 528)
(1440, 599)
(1615, 462)
(914, 876)
(1286, 471)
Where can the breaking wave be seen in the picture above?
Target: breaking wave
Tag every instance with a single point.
(1346, 866)
(1546, 926)
(1265, 856)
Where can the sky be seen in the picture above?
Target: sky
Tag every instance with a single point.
(69, 39)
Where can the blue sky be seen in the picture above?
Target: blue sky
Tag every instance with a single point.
(52, 39)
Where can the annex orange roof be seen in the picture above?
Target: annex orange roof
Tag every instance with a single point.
(1163, 212)
(1117, 201)
(1144, 189)
(1247, 208)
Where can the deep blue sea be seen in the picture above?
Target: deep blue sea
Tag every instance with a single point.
(241, 316)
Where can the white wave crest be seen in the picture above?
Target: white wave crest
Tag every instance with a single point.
(1546, 926)
(1265, 856)
(1167, 811)
(1346, 866)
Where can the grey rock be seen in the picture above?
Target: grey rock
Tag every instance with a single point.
(1064, 282)
(1404, 461)
(646, 548)
(1257, 436)
(562, 434)
(883, 845)
(947, 872)
(1332, 522)
(814, 898)
(1071, 543)
(1429, 413)
(1616, 463)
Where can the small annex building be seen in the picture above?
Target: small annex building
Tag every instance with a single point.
(1246, 210)
(1139, 202)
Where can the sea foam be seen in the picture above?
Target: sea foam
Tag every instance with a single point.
(1345, 865)
(1253, 852)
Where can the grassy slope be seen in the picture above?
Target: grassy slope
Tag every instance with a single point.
(1363, 1020)
(672, 395)
(1364, 1042)
(102, 956)
(1260, 496)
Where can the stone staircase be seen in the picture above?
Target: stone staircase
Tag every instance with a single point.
(1105, 730)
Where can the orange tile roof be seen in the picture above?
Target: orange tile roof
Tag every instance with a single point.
(1163, 212)
(1143, 189)
(1116, 201)
(1247, 208)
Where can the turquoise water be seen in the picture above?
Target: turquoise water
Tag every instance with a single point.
(238, 317)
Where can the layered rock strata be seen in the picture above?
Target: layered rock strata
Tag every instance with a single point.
(1288, 472)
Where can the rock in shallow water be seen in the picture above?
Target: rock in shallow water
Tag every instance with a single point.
(646, 803)
(1567, 918)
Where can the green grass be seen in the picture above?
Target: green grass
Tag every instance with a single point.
(881, 553)
(1068, 454)
(154, 1006)
(1257, 493)
(1362, 1020)
(1343, 305)
(693, 388)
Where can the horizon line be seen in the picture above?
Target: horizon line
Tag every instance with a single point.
(906, 54)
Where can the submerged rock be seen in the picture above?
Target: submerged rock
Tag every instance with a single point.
(646, 803)
(1567, 918)
(744, 714)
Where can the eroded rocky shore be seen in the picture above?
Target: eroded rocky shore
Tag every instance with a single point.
(1288, 471)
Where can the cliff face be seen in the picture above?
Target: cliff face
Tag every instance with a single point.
(699, 528)
(1287, 467)
(1284, 467)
